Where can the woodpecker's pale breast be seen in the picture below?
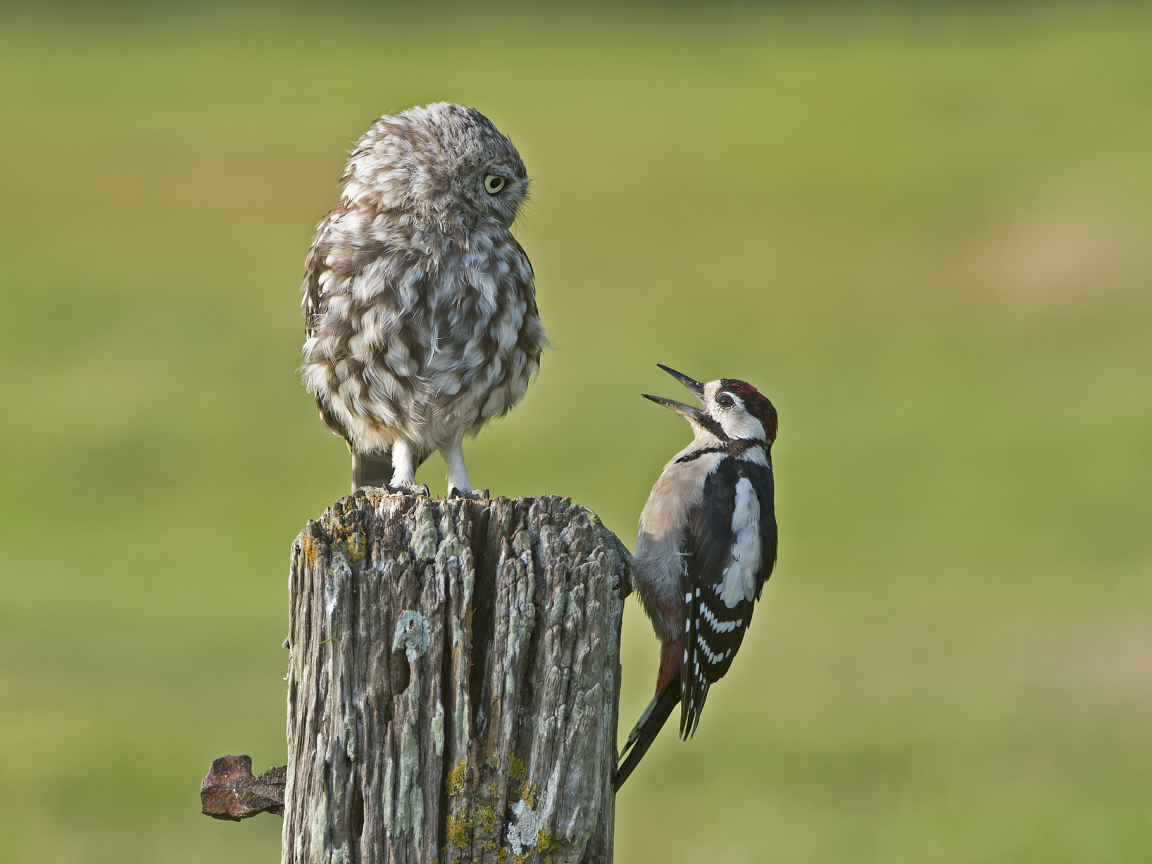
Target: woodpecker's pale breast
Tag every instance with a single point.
(659, 563)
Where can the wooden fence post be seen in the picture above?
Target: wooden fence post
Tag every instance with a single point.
(453, 683)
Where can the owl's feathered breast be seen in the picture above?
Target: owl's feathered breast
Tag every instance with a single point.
(414, 324)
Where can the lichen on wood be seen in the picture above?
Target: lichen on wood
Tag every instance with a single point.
(453, 682)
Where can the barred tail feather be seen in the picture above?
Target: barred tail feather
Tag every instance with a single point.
(694, 669)
(690, 711)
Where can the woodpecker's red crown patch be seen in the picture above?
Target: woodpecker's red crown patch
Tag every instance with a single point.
(755, 402)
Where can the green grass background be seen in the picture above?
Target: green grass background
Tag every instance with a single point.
(922, 230)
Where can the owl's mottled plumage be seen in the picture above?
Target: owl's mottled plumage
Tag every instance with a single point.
(419, 304)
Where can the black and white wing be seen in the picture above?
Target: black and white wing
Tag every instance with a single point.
(731, 546)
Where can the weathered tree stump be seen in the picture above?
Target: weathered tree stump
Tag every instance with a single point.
(453, 682)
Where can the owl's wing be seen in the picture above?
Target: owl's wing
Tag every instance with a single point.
(315, 303)
(316, 275)
(527, 261)
(532, 339)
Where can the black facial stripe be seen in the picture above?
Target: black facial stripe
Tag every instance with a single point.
(712, 426)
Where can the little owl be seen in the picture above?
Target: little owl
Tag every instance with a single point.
(419, 304)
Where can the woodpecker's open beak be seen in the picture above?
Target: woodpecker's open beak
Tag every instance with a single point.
(695, 386)
(686, 411)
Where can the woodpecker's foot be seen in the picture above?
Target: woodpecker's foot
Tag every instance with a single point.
(471, 495)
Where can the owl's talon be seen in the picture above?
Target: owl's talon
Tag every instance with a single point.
(414, 490)
(472, 495)
(371, 490)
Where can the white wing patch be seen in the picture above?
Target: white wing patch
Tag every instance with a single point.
(739, 582)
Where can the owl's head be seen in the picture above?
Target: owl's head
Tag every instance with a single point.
(440, 161)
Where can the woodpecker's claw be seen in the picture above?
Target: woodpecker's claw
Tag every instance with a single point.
(694, 386)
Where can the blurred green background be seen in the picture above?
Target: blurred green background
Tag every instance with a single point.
(923, 230)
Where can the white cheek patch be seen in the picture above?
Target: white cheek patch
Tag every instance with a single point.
(741, 426)
(739, 582)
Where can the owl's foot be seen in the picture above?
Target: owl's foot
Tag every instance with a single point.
(459, 486)
(470, 494)
(382, 489)
(416, 490)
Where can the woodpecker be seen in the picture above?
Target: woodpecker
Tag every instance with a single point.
(704, 549)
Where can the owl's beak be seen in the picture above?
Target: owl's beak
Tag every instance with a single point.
(694, 386)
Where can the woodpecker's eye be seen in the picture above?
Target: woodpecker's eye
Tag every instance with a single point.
(725, 401)
(493, 183)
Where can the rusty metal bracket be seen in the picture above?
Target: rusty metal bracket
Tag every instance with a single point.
(231, 792)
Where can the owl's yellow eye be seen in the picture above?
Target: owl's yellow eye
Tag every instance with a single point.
(493, 183)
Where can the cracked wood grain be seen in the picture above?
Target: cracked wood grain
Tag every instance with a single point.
(453, 683)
